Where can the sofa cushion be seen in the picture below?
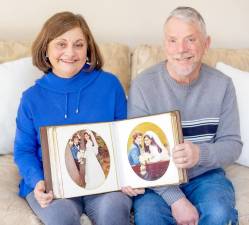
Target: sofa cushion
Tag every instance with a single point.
(239, 176)
(15, 76)
(11, 50)
(145, 56)
(238, 58)
(117, 61)
(13, 209)
(241, 83)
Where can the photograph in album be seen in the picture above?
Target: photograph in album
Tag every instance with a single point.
(85, 159)
(148, 151)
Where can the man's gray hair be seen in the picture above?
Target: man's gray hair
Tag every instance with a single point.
(188, 14)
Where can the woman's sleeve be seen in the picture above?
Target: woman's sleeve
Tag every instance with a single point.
(26, 146)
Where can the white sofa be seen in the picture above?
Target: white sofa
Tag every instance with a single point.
(120, 60)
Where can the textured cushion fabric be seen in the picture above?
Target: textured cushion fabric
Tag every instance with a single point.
(145, 56)
(238, 58)
(241, 83)
(11, 50)
(117, 61)
(239, 175)
(13, 209)
(15, 76)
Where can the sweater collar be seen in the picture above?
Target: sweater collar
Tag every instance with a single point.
(176, 84)
(78, 83)
(61, 85)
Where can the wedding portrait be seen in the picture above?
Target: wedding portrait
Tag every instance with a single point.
(87, 159)
(148, 152)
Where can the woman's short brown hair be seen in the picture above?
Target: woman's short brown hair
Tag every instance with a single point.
(57, 25)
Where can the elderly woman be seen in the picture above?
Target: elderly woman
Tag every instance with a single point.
(73, 89)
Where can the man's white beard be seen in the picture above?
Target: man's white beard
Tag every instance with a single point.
(184, 71)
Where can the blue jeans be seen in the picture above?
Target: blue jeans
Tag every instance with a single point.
(103, 209)
(109, 208)
(211, 193)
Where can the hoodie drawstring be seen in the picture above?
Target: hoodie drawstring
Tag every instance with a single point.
(78, 101)
(66, 87)
(66, 106)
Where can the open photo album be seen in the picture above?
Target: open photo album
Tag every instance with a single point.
(85, 159)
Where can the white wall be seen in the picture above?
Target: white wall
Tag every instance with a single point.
(128, 21)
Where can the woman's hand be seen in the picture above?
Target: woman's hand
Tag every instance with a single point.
(42, 198)
(132, 191)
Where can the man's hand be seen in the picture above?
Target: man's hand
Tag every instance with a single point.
(184, 212)
(132, 191)
(39, 192)
(186, 155)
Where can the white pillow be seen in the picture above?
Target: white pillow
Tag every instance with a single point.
(241, 83)
(15, 77)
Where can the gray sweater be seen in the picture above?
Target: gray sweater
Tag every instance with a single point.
(208, 109)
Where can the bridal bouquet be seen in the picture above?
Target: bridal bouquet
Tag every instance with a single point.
(145, 158)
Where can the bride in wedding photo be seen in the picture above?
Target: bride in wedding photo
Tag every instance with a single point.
(94, 174)
(154, 147)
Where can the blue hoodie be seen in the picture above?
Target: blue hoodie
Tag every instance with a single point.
(95, 96)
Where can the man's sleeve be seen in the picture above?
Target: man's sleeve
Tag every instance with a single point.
(227, 144)
(169, 193)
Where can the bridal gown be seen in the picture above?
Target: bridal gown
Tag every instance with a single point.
(94, 176)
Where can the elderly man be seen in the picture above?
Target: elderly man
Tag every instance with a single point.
(207, 102)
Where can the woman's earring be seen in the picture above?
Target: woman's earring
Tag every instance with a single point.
(46, 58)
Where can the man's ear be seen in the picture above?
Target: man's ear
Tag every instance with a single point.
(207, 43)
